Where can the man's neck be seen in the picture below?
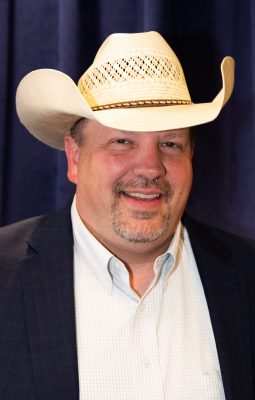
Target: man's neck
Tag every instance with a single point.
(140, 277)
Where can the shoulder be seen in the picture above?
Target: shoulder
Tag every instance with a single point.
(13, 249)
(22, 240)
(24, 227)
(214, 239)
(13, 238)
(17, 238)
(222, 254)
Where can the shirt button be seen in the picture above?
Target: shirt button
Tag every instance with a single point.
(146, 362)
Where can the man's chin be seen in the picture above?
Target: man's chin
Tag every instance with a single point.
(140, 232)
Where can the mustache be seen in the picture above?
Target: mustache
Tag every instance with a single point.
(142, 182)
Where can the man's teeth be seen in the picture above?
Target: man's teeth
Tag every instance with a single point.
(143, 196)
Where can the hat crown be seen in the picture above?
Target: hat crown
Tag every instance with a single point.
(119, 44)
(134, 68)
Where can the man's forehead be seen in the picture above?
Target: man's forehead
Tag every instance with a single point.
(94, 126)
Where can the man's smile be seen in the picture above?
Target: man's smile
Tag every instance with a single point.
(142, 196)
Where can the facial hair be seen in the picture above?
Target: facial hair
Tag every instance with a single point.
(123, 225)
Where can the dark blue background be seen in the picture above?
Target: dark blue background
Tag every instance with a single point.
(65, 34)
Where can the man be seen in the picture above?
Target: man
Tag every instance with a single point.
(117, 298)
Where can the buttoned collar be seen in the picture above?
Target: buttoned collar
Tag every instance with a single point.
(105, 265)
(90, 250)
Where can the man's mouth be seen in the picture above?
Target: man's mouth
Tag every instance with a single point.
(144, 190)
(142, 196)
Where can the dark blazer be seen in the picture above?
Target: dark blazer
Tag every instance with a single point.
(38, 357)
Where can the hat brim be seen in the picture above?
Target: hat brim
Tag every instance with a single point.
(49, 103)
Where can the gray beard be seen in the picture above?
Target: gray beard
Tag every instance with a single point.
(122, 227)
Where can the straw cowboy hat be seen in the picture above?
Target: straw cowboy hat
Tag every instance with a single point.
(135, 83)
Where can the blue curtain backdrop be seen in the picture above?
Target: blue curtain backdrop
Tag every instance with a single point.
(65, 34)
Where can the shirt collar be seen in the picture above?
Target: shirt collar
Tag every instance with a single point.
(98, 258)
(165, 263)
(91, 251)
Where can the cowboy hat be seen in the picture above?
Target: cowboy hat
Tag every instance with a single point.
(135, 83)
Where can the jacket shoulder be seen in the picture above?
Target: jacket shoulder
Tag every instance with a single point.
(13, 238)
(215, 239)
(17, 240)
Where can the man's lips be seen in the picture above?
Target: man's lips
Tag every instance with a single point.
(141, 195)
(144, 190)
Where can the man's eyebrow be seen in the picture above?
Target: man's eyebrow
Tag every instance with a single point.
(174, 134)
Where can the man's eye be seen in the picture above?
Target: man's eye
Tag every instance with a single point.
(121, 141)
(172, 145)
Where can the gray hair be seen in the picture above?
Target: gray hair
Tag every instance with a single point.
(77, 131)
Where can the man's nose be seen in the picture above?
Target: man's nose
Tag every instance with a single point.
(149, 162)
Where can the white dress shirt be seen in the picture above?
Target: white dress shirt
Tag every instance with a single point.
(158, 346)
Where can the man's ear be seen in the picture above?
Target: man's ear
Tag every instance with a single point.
(72, 154)
(193, 139)
(193, 146)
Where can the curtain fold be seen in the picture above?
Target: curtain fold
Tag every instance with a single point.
(65, 35)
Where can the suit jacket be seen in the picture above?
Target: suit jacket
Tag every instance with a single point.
(38, 357)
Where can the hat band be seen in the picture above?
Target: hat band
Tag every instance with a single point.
(141, 103)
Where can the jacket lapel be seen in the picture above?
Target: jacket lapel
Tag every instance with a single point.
(227, 299)
(49, 304)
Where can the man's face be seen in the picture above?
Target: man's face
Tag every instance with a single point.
(132, 187)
